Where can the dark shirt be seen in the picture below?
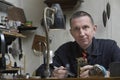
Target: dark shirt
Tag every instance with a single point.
(101, 51)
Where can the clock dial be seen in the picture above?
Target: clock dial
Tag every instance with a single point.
(8, 61)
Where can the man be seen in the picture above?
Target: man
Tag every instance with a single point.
(99, 51)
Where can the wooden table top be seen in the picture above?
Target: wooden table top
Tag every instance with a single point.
(96, 78)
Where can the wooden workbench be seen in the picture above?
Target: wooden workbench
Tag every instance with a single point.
(97, 78)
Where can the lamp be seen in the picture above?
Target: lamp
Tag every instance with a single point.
(2, 57)
(53, 18)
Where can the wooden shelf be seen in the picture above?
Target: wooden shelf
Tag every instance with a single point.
(14, 34)
(12, 70)
(23, 28)
(65, 4)
(96, 78)
(4, 5)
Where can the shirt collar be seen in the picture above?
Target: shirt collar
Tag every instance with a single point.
(93, 48)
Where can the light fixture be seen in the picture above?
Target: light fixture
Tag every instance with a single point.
(52, 19)
(2, 54)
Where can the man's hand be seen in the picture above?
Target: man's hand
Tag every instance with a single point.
(84, 71)
(59, 72)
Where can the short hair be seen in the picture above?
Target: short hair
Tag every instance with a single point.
(81, 14)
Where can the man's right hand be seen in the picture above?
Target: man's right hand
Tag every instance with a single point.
(60, 72)
(84, 71)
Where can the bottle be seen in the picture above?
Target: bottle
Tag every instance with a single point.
(7, 22)
(2, 63)
(2, 20)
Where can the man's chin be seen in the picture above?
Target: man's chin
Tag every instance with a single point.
(85, 45)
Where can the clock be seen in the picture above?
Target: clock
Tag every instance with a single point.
(8, 60)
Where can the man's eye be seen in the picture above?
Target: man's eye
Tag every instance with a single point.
(85, 27)
(76, 29)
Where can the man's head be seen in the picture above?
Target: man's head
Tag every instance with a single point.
(82, 28)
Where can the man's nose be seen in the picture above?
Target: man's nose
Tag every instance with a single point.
(82, 32)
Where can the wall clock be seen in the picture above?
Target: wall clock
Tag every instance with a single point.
(8, 60)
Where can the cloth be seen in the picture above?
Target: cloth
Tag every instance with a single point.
(101, 51)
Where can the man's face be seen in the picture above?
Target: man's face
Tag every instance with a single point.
(83, 31)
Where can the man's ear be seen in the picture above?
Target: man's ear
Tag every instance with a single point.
(71, 32)
(95, 28)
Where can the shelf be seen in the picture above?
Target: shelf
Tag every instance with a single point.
(65, 4)
(4, 5)
(12, 70)
(24, 28)
(14, 34)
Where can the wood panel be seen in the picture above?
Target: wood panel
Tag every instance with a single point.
(97, 78)
(65, 4)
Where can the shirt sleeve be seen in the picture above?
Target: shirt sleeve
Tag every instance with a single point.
(116, 52)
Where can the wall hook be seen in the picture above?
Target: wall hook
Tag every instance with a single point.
(108, 9)
(104, 15)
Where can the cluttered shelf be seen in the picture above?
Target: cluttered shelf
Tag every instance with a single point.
(23, 28)
(4, 5)
(10, 70)
(65, 4)
(14, 34)
(96, 78)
